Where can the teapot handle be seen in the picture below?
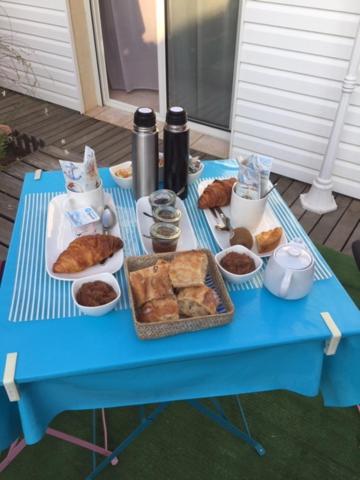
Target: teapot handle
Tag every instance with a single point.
(285, 283)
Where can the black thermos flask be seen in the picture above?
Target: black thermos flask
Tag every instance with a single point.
(176, 151)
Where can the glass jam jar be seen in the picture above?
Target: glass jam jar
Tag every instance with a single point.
(167, 214)
(164, 237)
(162, 198)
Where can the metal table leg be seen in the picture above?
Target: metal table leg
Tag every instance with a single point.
(144, 423)
(220, 418)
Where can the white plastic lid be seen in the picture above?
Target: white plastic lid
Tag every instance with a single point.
(294, 255)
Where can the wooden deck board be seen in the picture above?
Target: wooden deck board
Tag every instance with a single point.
(66, 132)
(6, 227)
(354, 236)
(10, 185)
(8, 206)
(328, 222)
(345, 227)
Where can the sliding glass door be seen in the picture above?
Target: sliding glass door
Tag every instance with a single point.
(200, 48)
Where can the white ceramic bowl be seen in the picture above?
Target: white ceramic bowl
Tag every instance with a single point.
(194, 176)
(101, 309)
(232, 277)
(122, 182)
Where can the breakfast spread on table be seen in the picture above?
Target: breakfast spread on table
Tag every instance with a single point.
(178, 284)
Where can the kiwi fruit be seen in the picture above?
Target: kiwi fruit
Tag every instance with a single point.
(242, 236)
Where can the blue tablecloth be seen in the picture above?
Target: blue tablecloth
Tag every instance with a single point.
(76, 362)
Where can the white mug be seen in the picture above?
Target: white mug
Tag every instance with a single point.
(245, 212)
(92, 198)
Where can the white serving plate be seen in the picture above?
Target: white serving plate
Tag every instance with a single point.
(187, 240)
(268, 222)
(59, 235)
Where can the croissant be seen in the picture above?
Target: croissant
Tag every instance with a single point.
(217, 194)
(86, 251)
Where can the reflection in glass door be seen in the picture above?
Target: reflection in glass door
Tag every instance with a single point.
(200, 41)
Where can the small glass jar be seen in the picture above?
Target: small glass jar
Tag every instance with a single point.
(162, 198)
(164, 237)
(167, 214)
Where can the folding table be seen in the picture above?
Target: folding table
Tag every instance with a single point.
(67, 361)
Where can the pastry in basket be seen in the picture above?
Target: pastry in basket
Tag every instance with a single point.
(269, 240)
(197, 301)
(217, 194)
(85, 252)
(164, 309)
(150, 283)
(188, 269)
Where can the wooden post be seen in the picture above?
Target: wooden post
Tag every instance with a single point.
(319, 198)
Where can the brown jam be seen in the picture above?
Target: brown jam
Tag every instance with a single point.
(93, 294)
(164, 237)
(163, 246)
(238, 263)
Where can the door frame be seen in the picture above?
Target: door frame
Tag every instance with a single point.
(94, 23)
(161, 56)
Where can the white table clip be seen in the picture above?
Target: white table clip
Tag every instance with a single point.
(331, 344)
(9, 377)
(37, 174)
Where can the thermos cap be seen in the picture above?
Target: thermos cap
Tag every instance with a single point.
(144, 117)
(176, 116)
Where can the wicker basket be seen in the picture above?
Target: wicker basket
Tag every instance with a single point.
(214, 280)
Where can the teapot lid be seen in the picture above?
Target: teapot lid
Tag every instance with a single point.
(294, 255)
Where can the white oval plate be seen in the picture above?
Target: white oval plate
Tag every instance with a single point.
(187, 240)
(268, 222)
(59, 235)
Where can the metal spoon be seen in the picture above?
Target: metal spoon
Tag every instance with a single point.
(269, 191)
(224, 218)
(218, 226)
(108, 219)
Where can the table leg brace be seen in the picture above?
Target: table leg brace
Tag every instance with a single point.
(224, 422)
(145, 422)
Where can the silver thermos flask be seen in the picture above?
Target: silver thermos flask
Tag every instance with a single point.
(145, 154)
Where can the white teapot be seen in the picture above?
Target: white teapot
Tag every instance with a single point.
(289, 273)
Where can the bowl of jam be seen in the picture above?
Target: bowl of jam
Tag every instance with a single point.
(238, 264)
(164, 237)
(96, 295)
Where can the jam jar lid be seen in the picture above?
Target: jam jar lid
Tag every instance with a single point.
(162, 197)
(167, 213)
(294, 255)
(164, 231)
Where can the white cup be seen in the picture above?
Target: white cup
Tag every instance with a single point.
(92, 198)
(245, 212)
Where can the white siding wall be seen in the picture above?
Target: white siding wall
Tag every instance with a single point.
(293, 57)
(41, 27)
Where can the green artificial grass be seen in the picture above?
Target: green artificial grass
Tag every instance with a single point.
(303, 440)
(345, 269)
